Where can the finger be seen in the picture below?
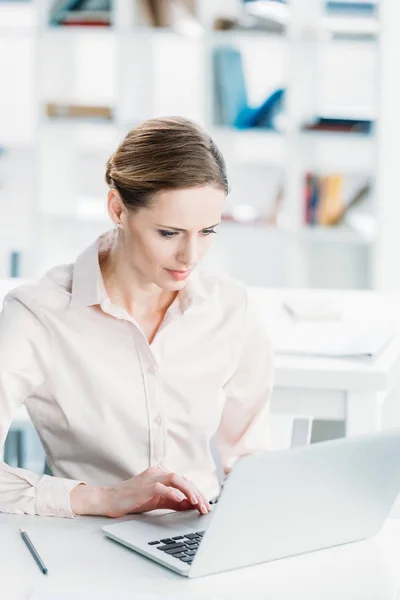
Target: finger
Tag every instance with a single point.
(205, 506)
(166, 503)
(178, 482)
(167, 492)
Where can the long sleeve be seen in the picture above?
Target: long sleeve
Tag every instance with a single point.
(24, 359)
(244, 427)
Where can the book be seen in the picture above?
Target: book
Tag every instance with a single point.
(82, 12)
(229, 85)
(69, 111)
(314, 199)
(331, 202)
(60, 10)
(339, 125)
(86, 22)
(165, 13)
(327, 200)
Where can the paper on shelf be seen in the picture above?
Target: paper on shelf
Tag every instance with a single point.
(345, 338)
(305, 309)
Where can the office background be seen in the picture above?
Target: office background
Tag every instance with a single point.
(301, 96)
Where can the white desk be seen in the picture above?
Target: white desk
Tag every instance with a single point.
(346, 389)
(79, 557)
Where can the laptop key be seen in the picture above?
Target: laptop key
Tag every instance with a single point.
(178, 537)
(170, 546)
(191, 552)
(180, 555)
(154, 543)
(192, 546)
(187, 559)
(190, 536)
(166, 541)
(175, 550)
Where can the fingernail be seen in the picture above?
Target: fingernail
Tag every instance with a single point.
(179, 496)
(194, 500)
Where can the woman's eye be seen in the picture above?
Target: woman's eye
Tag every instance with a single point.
(208, 231)
(167, 234)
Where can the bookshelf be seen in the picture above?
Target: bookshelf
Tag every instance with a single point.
(129, 52)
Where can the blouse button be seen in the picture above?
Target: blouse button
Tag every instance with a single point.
(151, 370)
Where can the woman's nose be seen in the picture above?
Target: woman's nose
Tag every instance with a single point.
(189, 254)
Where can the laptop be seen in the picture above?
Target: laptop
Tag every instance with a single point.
(277, 504)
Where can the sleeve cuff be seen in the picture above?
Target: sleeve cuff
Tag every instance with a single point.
(53, 496)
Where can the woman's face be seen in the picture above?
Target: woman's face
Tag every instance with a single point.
(167, 240)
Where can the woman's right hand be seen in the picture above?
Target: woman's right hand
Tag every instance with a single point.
(152, 489)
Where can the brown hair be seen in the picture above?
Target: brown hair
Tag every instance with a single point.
(164, 154)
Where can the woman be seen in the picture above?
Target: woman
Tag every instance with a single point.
(130, 360)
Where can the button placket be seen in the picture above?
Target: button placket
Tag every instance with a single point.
(157, 436)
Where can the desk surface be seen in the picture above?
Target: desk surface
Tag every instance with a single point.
(358, 374)
(79, 557)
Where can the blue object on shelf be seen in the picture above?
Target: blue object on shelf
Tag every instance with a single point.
(230, 85)
(264, 115)
(232, 106)
(61, 10)
(15, 260)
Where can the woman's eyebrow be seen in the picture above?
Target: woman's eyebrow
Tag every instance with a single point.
(184, 230)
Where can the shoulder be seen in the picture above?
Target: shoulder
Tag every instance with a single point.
(231, 294)
(236, 301)
(51, 292)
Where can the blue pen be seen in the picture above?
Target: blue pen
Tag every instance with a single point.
(33, 551)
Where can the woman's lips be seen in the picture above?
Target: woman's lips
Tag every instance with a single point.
(179, 275)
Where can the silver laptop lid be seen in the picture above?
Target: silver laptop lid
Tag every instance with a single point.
(285, 503)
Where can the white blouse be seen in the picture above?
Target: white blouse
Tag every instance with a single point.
(107, 405)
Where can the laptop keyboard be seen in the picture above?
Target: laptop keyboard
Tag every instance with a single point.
(182, 547)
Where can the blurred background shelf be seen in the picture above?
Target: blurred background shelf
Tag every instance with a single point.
(346, 152)
(326, 62)
(336, 235)
(253, 146)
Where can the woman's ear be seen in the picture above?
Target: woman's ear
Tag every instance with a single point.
(115, 206)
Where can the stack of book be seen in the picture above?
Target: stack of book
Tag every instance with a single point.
(166, 13)
(340, 125)
(78, 111)
(81, 13)
(324, 199)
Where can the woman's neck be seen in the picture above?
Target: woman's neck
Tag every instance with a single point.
(128, 289)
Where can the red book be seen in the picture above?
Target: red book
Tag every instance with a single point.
(84, 24)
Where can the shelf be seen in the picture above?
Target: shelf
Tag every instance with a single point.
(17, 17)
(95, 136)
(74, 219)
(15, 145)
(349, 25)
(337, 235)
(346, 152)
(342, 24)
(89, 210)
(255, 146)
(232, 36)
(77, 30)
